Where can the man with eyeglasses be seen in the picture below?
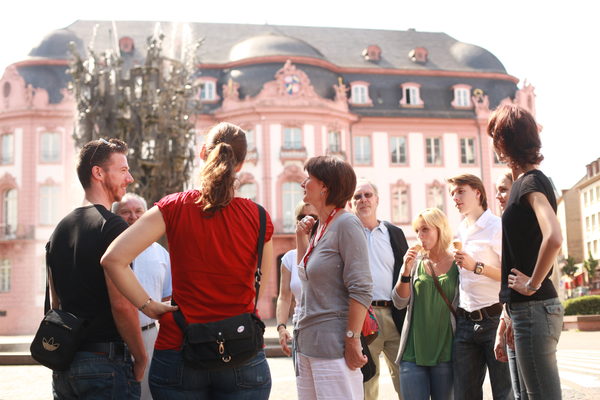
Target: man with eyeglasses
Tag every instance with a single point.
(387, 246)
(103, 365)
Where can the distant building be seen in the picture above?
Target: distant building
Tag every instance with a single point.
(579, 215)
(407, 109)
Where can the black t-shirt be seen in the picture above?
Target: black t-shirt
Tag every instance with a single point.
(522, 237)
(74, 253)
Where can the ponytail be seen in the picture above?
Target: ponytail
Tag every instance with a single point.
(226, 149)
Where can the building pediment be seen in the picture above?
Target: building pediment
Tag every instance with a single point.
(291, 88)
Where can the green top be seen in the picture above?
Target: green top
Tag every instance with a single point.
(430, 334)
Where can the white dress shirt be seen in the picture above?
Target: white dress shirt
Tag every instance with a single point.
(153, 270)
(483, 242)
(381, 261)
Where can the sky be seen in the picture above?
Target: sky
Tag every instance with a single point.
(551, 44)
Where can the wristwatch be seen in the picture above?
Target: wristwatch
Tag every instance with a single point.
(352, 335)
(478, 268)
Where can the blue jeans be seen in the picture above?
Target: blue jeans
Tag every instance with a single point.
(170, 379)
(474, 350)
(419, 383)
(537, 325)
(96, 376)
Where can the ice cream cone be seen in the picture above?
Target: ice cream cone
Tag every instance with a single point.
(457, 245)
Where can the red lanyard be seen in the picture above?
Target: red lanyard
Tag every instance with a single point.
(315, 239)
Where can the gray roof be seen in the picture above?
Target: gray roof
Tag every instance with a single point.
(340, 46)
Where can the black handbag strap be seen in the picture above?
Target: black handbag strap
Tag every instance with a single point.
(439, 289)
(47, 300)
(262, 218)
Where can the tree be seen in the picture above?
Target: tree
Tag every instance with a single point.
(569, 268)
(590, 266)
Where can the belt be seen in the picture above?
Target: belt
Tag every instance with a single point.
(111, 349)
(482, 313)
(382, 303)
(149, 326)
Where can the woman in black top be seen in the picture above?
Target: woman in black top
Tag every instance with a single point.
(531, 239)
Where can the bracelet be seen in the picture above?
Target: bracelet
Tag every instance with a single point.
(141, 308)
(405, 279)
(280, 325)
(532, 288)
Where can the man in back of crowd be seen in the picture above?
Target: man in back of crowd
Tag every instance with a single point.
(153, 269)
(387, 245)
(103, 365)
(480, 233)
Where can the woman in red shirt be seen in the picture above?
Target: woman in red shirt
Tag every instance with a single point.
(212, 239)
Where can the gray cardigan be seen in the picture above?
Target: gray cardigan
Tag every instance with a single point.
(408, 302)
(337, 271)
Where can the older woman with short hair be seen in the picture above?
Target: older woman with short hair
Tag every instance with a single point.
(333, 267)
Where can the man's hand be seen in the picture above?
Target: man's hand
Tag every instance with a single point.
(139, 365)
(464, 260)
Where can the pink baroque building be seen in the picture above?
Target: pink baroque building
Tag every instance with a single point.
(407, 109)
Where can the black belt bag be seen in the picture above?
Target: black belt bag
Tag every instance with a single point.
(230, 342)
(57, 339)
(227, 343)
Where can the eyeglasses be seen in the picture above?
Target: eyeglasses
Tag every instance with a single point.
(359, 196)
(102, 141)
(300, 216)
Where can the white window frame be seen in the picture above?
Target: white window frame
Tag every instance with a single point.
(291, 194)
(467, 157)
(7, 148)
(400, 148)
(400, 204)
(334, 141)
(251, 139)
(363, 152)
(434, 151)
(411, 95)
(292, 138)
(208, 90)
(433, 197)
(9, 211)
(50, 147)
(359, 94)
(49, 204)
(5, 275)
(462, 96)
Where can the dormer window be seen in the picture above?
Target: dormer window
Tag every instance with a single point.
(208, 89)
(418, 55)
(360, 93)
(372, 53)
(411, 95)
(462, 96)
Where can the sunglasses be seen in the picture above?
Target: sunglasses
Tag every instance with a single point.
(359, 196)
(102, 141)
(300, 216)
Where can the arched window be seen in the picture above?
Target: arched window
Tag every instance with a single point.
(435, 196)
(49, 204)
(291, 194)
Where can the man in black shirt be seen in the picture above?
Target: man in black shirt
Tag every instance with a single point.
(103, 363)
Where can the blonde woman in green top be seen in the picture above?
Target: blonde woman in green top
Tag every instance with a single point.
(425, 355)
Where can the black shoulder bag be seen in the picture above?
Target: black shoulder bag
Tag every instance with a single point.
(59, 336)
(230, 342)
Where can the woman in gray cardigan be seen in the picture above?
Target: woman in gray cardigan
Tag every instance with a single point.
(425, 352)
(336, 286)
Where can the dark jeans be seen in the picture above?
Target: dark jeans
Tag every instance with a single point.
(95, 376)
(473, 351)
(537, 325)
(170, 379)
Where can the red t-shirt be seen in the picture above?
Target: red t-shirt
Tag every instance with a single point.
(213, 259)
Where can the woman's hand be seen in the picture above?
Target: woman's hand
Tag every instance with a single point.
(464, 260)
(155, 309)
(284, 339)
(353, 354)
(305, 225)
(409, 260)
(139, 366)
(518, 282)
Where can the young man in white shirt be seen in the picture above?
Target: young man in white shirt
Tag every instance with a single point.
(479, 310)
